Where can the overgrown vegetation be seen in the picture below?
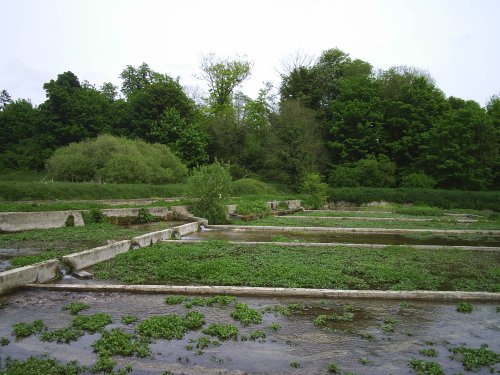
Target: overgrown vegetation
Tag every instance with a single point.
(62, 335)
(116, 160)
(425, 367)
(246, 315)
(170, 326)
(222, 263)
(464, 307)
(222, 331)
(210, 185)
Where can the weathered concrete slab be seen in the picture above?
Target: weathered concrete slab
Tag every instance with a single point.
(18, 221)
(152, 238)
(182, 213)
(161, 212)
(293, 204)
(231, 209)
(35, 273)
(182, 230)
(47, 271)
(90, 257)
(278, 292)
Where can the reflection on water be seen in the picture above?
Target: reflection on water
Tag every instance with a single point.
(421, 325)
(328, 237)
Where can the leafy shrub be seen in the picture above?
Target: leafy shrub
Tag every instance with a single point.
(315, 191)
(425, 367)
(258, 208)
(144, 216)
(93, 216)
(113, 159)
(418, 180)
(210, 185)
(250, 186)
(371, 172)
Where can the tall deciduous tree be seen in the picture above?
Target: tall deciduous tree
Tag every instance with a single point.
(222, 77)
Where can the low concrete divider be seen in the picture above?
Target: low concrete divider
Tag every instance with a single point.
(256, 228)
(182, 230)
(39, 272)
(366, 218)
(152, 238)
(278, 292)
(17, 221)
(90, 257)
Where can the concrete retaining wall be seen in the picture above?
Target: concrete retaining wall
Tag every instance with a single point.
(279, 292)
(182, 230)
(39, 272)
(90, 257)
(161, 212)
(17, 221)
(182, 213)
(152, 238)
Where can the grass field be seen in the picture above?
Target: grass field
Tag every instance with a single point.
(221, 263)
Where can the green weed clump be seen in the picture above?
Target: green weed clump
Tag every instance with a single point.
(170, 326)
(75, 307)
(93, 216)
(119, 342)
(258, 335)
(295, 364)
(464, 307)
(425, 367)
(129, 319)
(222, 331)
(144, 216)
(325, 318)
(4, 341)
(41, 366)
(333, 368)
(62, 335)
(475, 359)
(209, 301)
(23, 329)
(3, 304)
(246, 315)
(92, 323)
(430, 352)
(175, 300)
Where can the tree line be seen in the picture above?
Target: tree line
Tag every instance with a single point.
(335, 116)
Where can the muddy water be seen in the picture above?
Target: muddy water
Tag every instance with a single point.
(423, 325)
(324, 237)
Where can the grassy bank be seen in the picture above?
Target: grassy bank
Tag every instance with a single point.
(477, 200)
(221, 263)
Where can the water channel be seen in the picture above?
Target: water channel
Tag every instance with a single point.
(416, 326)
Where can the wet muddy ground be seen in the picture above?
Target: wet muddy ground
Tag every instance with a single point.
(360, 346)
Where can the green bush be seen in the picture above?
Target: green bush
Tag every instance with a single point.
(113, 159)
(418, 180)
(371, 172)
(210, 185)
(315, 191)
(93, 216)
(250, 186)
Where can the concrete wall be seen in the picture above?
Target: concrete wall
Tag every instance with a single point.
(17, 221)
(39, 272)
(152, 238)
(182, 213)
(162, 212)
(90, 257)
(186, 228)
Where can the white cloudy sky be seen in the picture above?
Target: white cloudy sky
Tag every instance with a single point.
(456, 41)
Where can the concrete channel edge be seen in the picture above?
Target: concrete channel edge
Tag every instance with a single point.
(275, 292)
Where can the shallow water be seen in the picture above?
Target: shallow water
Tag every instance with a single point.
(231, 234)
(297, 340)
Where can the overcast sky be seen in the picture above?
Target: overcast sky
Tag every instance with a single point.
(456, 41)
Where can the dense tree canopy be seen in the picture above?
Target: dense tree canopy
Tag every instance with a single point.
(335, 116)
